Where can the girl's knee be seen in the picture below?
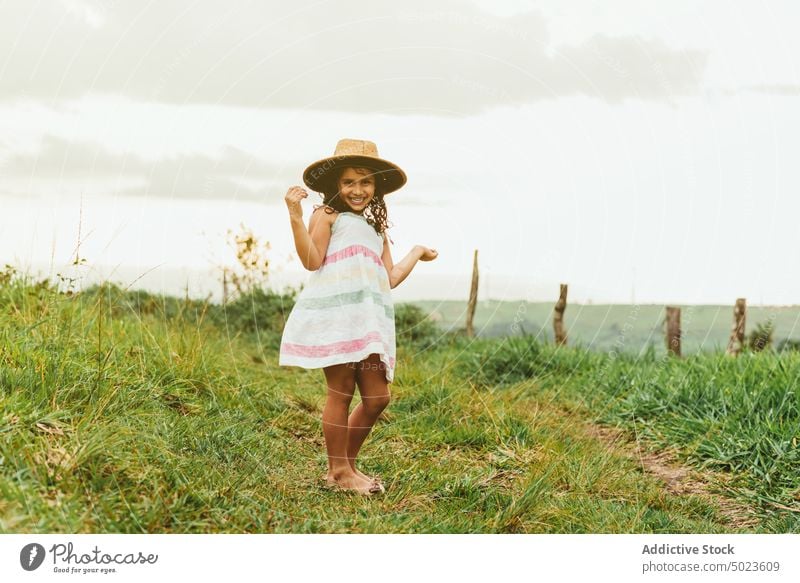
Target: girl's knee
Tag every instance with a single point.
(341, 384)
(375, 405)
(339, 396)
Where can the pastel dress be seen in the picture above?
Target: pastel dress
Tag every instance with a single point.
(345, 311)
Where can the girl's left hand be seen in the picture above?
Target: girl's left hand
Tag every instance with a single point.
(428, 254)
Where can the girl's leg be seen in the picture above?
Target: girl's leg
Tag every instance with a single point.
(340, 379)
(375, 396)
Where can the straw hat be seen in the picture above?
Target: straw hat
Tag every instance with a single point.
(354, 153)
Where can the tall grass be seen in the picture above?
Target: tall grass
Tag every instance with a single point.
(741, 415)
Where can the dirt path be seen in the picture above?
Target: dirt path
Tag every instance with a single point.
(677, 478)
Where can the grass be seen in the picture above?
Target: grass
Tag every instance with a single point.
(738, 415)
(115, 418)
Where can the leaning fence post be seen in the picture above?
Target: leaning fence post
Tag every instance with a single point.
(558, 316)
(674, 331)
(473, 296)
(736, 342)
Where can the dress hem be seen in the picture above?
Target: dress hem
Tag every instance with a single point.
(290, 360)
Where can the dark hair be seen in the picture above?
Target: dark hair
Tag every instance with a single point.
(375, 213)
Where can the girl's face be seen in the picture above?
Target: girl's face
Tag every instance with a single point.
(357, 187)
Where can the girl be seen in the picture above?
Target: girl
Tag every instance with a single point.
(343, 320)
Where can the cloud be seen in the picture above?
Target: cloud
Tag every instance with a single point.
(82, 166)
(448, 58)
(616, 68)
(56, 164)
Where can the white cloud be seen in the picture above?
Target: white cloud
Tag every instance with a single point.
(449, 58)
(64, 166)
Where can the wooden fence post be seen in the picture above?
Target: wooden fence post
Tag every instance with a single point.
(674, 331)
(473, 296)
(558, 317)
(736, 342)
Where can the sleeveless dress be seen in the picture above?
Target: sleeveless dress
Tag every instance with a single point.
(345, 312)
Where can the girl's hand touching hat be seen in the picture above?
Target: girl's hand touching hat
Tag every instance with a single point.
(428, 254)
(293, 197)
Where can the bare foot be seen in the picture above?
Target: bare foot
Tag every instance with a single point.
(352, 481)
(361, 474)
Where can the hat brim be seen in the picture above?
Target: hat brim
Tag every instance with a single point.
(320, 175)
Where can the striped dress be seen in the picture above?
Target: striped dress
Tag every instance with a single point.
(345, 311)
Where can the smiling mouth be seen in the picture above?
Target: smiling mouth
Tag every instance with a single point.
(357, 200)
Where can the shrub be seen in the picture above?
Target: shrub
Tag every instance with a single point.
(789, 345)
(257, 311)
(118, 301)
(514, 358)
(414, 327)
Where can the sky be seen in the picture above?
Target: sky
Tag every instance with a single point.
(638, 151)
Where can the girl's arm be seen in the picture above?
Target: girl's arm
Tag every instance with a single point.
(397, 273)
(312, 244)
(386, 258)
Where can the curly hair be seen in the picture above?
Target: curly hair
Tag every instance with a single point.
(375, 213)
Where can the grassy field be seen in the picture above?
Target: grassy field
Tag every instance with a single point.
(131, 413)
(629, 328)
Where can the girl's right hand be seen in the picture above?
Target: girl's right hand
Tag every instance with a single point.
(293, 197)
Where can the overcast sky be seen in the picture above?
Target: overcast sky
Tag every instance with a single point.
(633, 149)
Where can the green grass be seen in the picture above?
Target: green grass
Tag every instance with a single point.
(740, 415)
(119, 418)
